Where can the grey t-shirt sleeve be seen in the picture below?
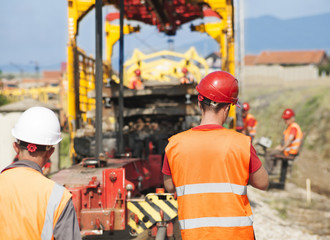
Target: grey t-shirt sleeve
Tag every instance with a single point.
(67, 227)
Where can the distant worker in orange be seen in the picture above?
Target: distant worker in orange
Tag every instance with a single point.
(187, 78)
(46, 169)
(250, 122)
(136, 82)
(209, 168)
(239, 117)
(292, 138)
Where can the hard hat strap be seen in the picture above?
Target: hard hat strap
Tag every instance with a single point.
(31, 147)
(207, 101)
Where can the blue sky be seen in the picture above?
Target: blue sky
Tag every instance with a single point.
(36, 31)
(285, 9)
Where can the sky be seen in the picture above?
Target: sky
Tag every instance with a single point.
(34, 33)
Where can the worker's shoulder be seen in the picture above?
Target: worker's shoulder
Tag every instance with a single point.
(58, 188)
(180, 134)
(295, 124)
(250, 115)
(236, 135)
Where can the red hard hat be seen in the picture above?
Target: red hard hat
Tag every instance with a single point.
(138, 72)
(288, 113)
(246, 106)
(184, 70)
(219, 86)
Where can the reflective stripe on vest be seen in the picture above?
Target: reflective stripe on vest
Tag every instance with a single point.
(293, 146)
(216, 222)
(211, 188)
(210, 169)
(53, 203)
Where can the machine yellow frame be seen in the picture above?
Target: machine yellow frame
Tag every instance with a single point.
(223, 33)
(148, 64)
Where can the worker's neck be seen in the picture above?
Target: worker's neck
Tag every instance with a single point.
(38, 160)
(290, 121)
(210, 117)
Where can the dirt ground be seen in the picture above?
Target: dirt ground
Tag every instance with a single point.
(310, 100)
(286, 214)
(310, 165)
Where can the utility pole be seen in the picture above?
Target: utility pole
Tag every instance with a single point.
(242, 45)
(36, 67)
(170, 44)
(98, 79)
(121, 83)
(239, 42)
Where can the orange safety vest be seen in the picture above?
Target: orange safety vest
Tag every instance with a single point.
(293, 148)
(184, 80)
(210, 170)
(136, 83)
(31, 204)
(253, 129)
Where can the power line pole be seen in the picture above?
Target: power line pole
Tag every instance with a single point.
(121, 83)
(98, 78)
(242, 45)
(36, 68)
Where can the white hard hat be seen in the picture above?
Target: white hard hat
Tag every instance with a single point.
(38, 125)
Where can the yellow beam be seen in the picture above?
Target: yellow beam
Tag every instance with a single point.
(112, 35)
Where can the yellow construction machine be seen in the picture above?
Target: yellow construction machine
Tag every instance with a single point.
(115, 185)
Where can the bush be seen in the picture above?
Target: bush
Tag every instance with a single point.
(64, 151)
(3, 100)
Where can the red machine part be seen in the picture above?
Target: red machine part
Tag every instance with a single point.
(160, 13)
(145, 174)
(163, 224)
(100, 204)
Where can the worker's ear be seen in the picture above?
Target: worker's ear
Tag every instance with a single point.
(226, 111)
(16, 147)
(50, 152)
(227, 108)
(199, 105)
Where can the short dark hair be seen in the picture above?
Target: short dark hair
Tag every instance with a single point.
(208, 107)
(31, 147)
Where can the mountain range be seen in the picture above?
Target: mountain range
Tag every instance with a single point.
(270, 33)
(262, 33)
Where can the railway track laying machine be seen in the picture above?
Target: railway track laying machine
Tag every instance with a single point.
(118, 134)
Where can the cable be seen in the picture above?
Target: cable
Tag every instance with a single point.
(147, 45)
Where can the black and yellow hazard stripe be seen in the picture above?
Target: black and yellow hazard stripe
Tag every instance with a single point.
(148, 210)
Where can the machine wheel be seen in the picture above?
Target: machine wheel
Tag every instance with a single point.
(132, 232)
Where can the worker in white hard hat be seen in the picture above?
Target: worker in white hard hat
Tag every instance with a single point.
(33, 206)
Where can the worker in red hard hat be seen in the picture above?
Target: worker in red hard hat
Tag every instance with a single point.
(290, 144)
(136, 81)
(249, 121)
(33, 206)
(209, 168)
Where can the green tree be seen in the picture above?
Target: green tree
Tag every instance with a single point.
(3, 100)
(325, 68)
